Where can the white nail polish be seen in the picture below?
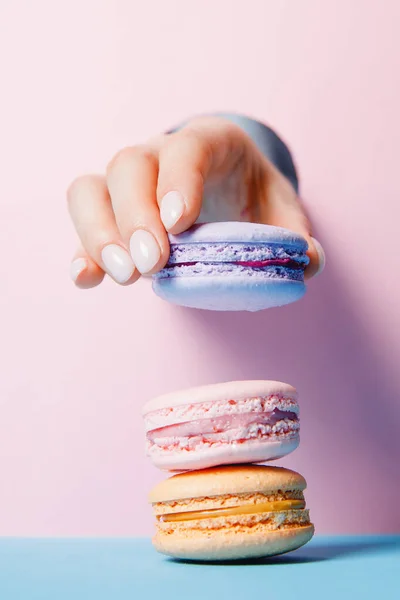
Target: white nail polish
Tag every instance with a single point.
(77, 266)
(145, 251)
(117, 263)
(321, 256)
(172, 208)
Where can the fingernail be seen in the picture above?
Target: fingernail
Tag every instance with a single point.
(77, 266)
(171, 209)
(145, 251)
(321, 256)
(117, 262)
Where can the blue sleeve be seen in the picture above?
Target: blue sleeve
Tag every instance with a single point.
(269, 143)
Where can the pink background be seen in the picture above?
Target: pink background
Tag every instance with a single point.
(82, 79)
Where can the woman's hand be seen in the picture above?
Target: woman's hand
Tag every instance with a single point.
(210, 166)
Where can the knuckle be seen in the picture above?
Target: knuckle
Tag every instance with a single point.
(214, 124)
(211, 124)
(119, 160)
(126, 156)
(207, 122)
(81, 184)
(189, 143)
(156, 142)
(192, 137)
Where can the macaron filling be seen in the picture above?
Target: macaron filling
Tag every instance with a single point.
(262, 260)
(248, 509)
(224, 429)
(257, 512)
(257, 523)
(234, 252)
(191, 411)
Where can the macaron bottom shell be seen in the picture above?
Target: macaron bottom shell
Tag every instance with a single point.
(232, 543)
(252, 451)
(229, 293)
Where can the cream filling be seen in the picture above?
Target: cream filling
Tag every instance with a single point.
(248, 509)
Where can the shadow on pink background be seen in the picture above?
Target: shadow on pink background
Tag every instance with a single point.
(83, 80)
(349, 410)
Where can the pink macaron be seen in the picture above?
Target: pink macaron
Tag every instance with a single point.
(225, 423)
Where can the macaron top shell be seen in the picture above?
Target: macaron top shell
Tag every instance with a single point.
(238, 232)
(218, 481)
(233, 390)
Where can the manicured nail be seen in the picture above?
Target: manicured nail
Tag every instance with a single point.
(321, 256)
(171, 209)
(117, 263)
(145, 251)
(77, 267)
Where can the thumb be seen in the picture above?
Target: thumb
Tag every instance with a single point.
(316, 255)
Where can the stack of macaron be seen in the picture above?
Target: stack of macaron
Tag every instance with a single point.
(223, 504)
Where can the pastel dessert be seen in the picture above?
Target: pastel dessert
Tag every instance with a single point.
(225, 423)
(228, 513)
(233, 266)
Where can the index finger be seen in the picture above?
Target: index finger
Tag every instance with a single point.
(205, 148)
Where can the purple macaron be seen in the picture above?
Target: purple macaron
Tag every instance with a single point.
(233, 266)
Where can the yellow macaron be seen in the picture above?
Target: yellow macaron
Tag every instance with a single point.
(232, 512)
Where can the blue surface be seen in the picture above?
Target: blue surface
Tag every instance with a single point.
(118, 569)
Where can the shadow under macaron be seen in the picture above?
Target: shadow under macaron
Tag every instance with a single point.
(318, 550)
